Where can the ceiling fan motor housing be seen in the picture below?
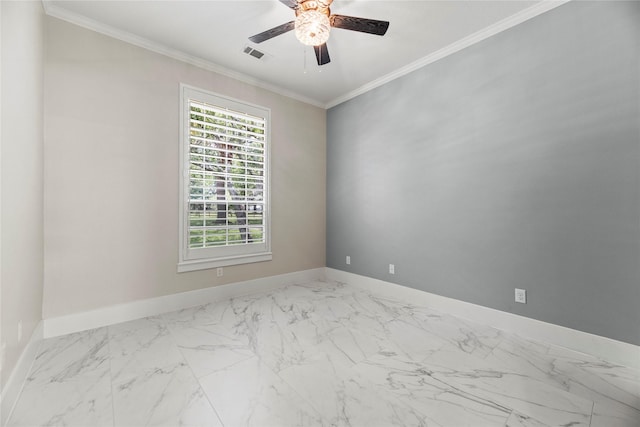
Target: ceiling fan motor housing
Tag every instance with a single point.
(319, 5)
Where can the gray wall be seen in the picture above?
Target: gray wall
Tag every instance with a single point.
(513, 163)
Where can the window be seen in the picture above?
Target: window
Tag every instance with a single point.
(224, 215)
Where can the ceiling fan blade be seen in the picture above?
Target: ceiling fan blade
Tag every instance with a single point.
(293, 4)
(322, 54)
(273, 32)
(363, 25)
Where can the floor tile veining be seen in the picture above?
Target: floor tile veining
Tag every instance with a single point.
(318, 354)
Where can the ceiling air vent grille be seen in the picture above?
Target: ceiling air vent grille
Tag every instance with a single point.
(253, 52)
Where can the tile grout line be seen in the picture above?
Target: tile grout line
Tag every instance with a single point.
(175, 343)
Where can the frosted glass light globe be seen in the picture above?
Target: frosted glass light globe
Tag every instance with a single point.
(312, 28)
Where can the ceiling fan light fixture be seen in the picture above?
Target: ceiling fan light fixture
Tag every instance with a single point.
(312, 27)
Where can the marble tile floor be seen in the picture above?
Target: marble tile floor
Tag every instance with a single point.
(318, 354)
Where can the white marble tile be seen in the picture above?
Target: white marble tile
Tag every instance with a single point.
(250, 394)
(615, 387)
(319, 354)
(211, 347)
(168, 395)
(269, 337)
(614, 415)
(279, 329)
(598, 379)
(362, 404)
(352, 343)
(210, 337)
(469, 337)
(140, 346)
(438, 402)
(321, 377)
(69, 384)
(152, 382)
(81, 401)
(519, 420)
(68, 357)
(219, 313)
(527, 394)
(412, 340)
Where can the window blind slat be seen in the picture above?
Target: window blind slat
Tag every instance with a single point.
(229, 131)
(225, 112)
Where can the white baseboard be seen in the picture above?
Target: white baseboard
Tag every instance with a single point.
(16, 380)
(77, 322)
(605, 348)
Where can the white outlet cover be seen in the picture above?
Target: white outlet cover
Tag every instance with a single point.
(348, 260)
(521, 296)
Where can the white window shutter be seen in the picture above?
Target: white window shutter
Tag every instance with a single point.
(225, 208)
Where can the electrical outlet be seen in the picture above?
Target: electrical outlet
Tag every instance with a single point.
(348, 261)
(19, 330)
(220, 272)
(521, 296)
(392, 269)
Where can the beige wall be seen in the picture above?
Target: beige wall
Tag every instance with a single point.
(111, 174)
(21, 153)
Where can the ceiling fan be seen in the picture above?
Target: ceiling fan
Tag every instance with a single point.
(313, 23)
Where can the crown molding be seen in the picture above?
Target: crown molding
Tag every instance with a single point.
(498, 27)
(82, 21)
(516, 19)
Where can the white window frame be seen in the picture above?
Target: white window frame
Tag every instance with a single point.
(204, 258)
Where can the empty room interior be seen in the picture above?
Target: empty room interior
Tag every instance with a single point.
(320, 213)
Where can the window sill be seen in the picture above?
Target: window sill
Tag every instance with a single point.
(205, 264)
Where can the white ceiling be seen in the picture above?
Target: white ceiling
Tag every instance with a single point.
(214, 33)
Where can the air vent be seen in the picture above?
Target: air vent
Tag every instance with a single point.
(253, 52)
